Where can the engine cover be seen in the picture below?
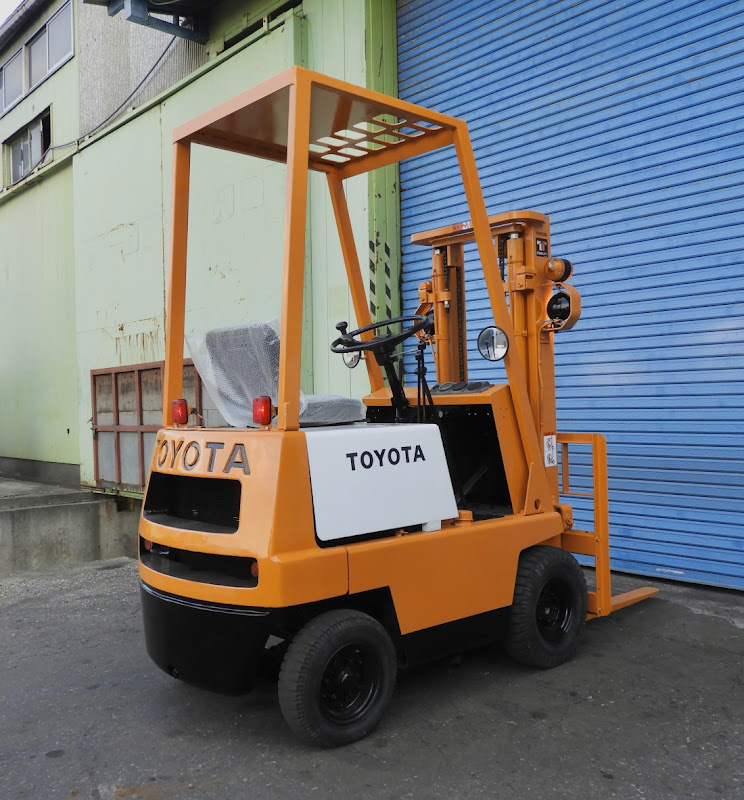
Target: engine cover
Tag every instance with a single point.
(368, 478)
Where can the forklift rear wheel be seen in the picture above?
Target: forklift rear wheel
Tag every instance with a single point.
(337, 678)
(548, 614)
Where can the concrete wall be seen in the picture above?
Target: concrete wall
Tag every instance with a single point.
(40, 529)
(116, 56)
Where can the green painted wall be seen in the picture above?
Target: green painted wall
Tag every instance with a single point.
(384, 196)
(38, 376)
(122, 185)
(104, 306)
(335, 46)
(122, 189)
(230, 18)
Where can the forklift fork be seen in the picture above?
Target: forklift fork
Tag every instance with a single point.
(595, 543)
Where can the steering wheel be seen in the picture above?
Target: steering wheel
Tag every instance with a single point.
(346, 343)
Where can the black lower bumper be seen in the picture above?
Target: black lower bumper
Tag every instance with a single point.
(212, 646)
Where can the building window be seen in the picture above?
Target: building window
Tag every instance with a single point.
(12, 79)
(127, 414)
(44, 52)
(37, 59)
(59, 37)
(29, 147)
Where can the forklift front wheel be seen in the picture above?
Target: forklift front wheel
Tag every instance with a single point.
(337, 678)
(548, 614)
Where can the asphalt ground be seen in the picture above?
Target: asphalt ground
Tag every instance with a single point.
(652, 707)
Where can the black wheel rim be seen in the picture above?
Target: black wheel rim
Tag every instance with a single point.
(350, 684)
(554, 610)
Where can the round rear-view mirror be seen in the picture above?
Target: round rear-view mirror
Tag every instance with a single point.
(492, 343)
(352, 359)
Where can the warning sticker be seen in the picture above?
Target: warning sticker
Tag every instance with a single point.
(542, 248)
(550, 450)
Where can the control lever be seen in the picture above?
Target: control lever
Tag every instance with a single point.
(344, 339)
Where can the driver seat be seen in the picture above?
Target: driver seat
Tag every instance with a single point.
(240, 363)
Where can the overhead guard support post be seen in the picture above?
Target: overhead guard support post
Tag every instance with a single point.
(176, 301)
(353, 272)
(538, 494)
(290, 353)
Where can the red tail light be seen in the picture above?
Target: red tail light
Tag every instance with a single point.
(262, 410)
(180, 411)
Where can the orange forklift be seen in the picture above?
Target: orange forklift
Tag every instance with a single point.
(352, 538)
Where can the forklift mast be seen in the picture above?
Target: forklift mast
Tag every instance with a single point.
(521, 241)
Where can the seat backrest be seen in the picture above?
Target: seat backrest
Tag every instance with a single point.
(238, 364)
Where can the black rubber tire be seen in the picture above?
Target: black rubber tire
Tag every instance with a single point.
(337, 678)
(548, 614)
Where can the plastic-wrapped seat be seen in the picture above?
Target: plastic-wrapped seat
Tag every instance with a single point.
(241, 362)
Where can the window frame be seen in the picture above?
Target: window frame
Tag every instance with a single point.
(39, 34)
(24, 52)
(3, 107)
(24, 135)
(53, 67)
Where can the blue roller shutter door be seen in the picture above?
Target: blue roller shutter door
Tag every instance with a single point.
(625, 123)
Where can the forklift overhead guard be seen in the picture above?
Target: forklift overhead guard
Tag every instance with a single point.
(350, 537)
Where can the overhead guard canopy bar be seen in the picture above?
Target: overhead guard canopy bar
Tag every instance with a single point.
(307, 121)
(463, 230)
(350, 132)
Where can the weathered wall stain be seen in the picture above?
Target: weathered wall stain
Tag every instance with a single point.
(137, 342)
